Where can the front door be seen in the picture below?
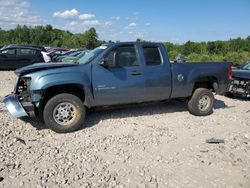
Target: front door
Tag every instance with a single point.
(122, 83)
(8, 58)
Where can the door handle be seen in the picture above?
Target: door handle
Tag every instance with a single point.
(135, 73)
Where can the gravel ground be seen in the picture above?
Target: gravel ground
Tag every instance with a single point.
(158, 145)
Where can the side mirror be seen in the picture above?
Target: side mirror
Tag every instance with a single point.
(109, 60)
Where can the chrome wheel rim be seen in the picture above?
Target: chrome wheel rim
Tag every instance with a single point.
(204, 102)
(64, 113)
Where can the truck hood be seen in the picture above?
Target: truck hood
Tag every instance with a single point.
(241, 73)
(41, 66)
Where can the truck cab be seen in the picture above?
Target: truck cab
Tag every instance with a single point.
(131, 73)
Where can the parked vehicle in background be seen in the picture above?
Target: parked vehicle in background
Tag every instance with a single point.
(59, 57)
(17, 56)
(180, 59)
(26, 45)
(57, 50)
(49, 47)
(114, 74)
(46, 57)
(240, 84)
(54, 52)
(73, 59)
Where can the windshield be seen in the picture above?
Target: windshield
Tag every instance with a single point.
(246, 66)
(91, 55)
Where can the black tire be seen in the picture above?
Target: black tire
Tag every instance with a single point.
(196, 102)
(60, 106)
(229, 95)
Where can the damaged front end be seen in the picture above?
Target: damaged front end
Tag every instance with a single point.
(19, 103)
(240, 86)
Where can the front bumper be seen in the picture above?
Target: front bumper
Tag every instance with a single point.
(14, 106)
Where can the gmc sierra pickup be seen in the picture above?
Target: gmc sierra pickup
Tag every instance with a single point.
(113, 74)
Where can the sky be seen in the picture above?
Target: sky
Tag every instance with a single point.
(176, 21)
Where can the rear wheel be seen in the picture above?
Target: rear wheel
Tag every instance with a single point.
(64, 113)
(201, 102)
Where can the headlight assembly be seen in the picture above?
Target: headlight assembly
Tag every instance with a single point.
(23, 84)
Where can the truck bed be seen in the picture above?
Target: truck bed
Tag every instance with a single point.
(184, 75)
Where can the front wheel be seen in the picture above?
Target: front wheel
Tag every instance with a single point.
(64, 113)
(201, 102)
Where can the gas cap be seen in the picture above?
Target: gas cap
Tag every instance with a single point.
(180, 77)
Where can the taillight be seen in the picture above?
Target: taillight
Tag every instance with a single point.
(230, 73)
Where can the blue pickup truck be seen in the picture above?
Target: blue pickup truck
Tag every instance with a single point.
(113, 74)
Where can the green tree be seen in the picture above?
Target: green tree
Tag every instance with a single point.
(91, 39)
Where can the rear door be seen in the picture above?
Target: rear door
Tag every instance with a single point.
(157, 72)
(122, 84)
(26, 57)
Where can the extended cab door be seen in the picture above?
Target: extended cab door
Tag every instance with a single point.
(157, 72)
(121, 83)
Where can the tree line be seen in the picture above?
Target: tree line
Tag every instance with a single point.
(234, 50)
(49, 36)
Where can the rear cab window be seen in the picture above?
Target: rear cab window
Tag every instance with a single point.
(152, 55)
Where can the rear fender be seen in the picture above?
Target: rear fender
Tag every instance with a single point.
(209, 82)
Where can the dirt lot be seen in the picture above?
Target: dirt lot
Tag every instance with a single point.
(159, 145)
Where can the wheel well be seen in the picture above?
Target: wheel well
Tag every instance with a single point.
(74, 89)
(206, 82)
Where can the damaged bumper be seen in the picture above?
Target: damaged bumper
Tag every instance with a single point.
(17, 109)
(240, 87)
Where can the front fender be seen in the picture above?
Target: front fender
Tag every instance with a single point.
(41, 82)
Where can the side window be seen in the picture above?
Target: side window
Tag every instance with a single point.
(9, 51)
(125, 56)
(152, 55)
(59, 52)
(27, 52)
